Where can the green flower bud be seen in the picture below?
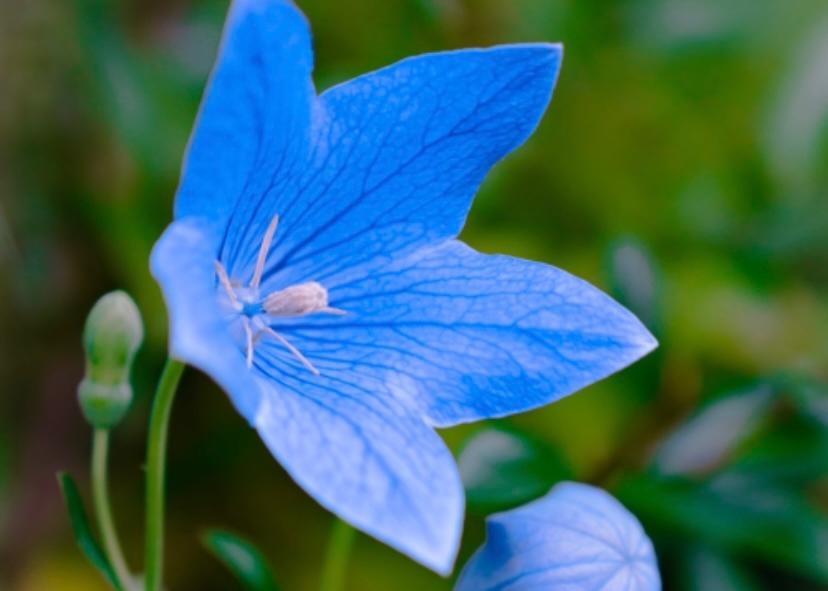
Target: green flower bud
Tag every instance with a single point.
(111, 337)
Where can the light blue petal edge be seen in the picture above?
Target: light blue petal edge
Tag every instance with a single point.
(370, 460)
(182, 263)
(576, 537)
(255, 115)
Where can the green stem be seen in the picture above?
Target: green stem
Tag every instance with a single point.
(103, 512)
(156, 456)
(336, 556)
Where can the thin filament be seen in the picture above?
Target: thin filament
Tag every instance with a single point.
(263, 250)
(225, 283)
(248, 333)
(289, 346)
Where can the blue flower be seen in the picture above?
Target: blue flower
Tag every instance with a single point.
(312, 270)
(576, 538)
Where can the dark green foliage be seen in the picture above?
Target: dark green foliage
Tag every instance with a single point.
(246, 563)
(503, 468)
(83, 532)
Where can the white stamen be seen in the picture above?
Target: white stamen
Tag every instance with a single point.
(226, 283)
(296, 352)
(248, 333)
(263, 250)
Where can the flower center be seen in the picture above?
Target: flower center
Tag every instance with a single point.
(255, 311)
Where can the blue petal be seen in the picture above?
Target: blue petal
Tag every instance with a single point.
(364, 456)
(576, 538)
(255, 117)
(182, 263)
(345, 437)
(397, 157)
(466, 336)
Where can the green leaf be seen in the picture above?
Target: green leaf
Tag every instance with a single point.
(635, 281)
(242, 559)
(808, 396)
(675, 27)
(504, 468)
(793, 455)
(732, 514)
(704, 569)
(715, 432)
(82, 531)
(794, 138)
(131, 88)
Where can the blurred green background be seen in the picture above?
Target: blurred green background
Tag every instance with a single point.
(681, 166)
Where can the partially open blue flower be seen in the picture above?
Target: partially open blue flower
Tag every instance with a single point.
(312, 270)
(576, 538)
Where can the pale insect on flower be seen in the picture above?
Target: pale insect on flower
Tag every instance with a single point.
(293, 301)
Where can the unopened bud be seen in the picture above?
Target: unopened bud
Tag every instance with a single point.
(111, 337)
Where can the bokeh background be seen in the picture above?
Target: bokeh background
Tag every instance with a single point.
(681, 166)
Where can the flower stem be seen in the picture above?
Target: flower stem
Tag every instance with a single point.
(156, 456)
(336, 557)
(103, 512)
